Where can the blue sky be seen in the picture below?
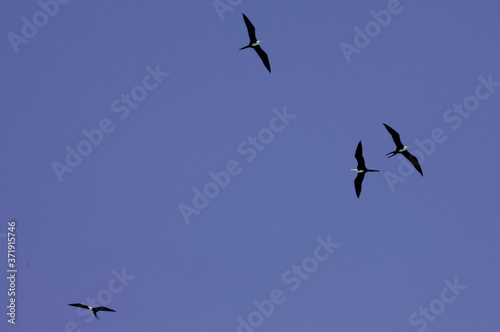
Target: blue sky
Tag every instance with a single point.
(115, 115)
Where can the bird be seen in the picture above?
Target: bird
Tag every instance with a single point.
(361, 169)
(403, 149)
(255, 44)
(92, 309)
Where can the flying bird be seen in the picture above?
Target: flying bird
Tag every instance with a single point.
(361, 169)
(403, 149)
(255, 44)
(92, 309)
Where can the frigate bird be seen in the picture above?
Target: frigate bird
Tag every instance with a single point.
(255, 44)
(92, 309)
(403, 149)
(361, 169)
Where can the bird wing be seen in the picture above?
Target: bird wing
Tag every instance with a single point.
(395, 137)
(413, 160)
(359, 156)
(79, 305)
(357, 183)
(251, 29)
(103, 309)
(263, 56)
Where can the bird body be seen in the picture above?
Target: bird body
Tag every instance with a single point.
(255, 44)
(361, 169)
(93, 310)
(403, 149)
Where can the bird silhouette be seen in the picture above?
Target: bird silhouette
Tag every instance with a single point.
(255, 44)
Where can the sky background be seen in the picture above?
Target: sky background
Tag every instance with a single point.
(117, 212)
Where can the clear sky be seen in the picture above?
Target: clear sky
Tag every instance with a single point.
(153, 168)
